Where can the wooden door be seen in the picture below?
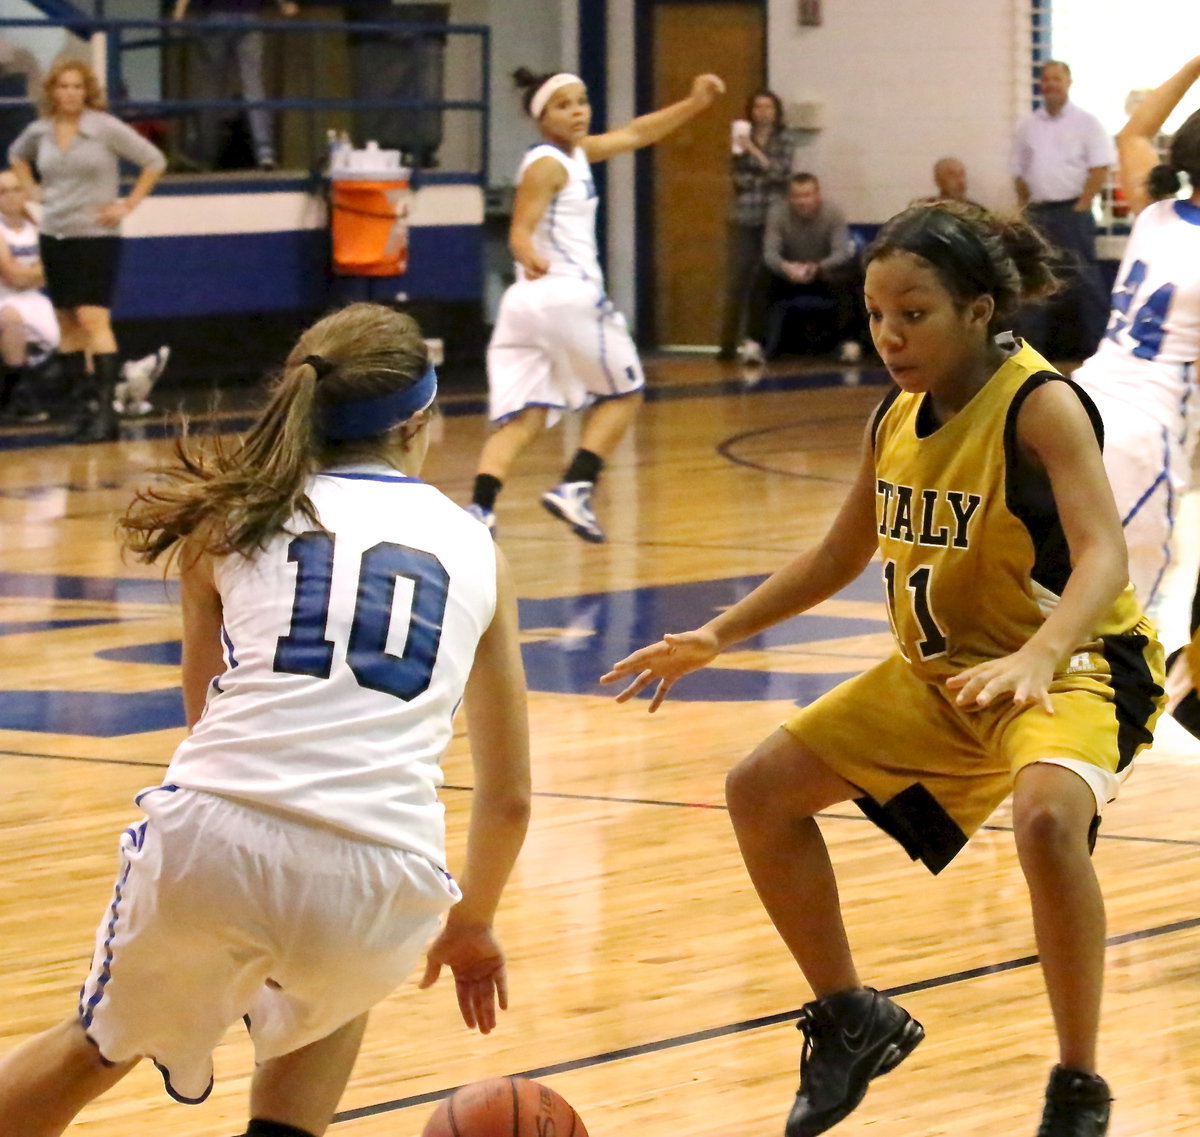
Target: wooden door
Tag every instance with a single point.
(691, 168)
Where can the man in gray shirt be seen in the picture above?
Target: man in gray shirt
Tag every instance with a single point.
(813, 266)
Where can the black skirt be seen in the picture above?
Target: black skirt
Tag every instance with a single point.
(80, 271)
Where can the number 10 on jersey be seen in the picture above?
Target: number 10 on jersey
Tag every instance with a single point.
(306, 650)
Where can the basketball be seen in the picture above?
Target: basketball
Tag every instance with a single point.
(504, 1107)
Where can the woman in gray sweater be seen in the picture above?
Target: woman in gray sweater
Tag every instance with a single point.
(75, 146)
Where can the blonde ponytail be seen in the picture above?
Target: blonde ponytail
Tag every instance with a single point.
(234, 499)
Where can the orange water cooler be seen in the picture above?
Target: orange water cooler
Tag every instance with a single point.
(369, 221)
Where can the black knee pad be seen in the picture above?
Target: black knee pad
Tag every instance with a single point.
(260, 1128)
(1187, 713)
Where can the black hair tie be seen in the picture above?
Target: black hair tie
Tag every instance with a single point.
(320, 365)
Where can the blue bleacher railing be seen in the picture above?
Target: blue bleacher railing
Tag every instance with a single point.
(120, 38)
(60, 9)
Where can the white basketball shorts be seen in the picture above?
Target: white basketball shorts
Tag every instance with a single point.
(223, 911)
(558, 343)
(1149, 469)
(41, 324)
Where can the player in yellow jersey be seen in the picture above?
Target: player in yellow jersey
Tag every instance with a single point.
(1023, 664)
(1183, 669)
(1183, 699)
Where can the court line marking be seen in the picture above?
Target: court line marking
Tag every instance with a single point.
(99, 761)
(856, 817)
(561, 795)
(745, 1025)
(723, 450)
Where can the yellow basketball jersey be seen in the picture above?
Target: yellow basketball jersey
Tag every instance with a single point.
(974, 555)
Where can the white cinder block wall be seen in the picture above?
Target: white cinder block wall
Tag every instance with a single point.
(524, 33)
(902, 83)
(621, 276)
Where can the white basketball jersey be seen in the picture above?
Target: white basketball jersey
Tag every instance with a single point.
(22, 242)
(1153, 332)
(566, 233)
(346, 654)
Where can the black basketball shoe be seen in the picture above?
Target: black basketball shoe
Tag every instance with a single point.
(849, 1038)
(1077, 1105)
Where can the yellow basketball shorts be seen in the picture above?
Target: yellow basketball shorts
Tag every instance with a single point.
(931, 772)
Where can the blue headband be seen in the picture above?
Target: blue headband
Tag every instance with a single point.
(362, 418)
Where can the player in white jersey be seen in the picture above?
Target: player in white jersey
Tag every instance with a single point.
(1140, 377)
(559, 344)
(28, 327)
(289, 869)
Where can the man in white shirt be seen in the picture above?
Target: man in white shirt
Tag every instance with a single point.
(1061, 158)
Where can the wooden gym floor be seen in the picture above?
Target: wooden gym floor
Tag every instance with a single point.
(647, 985)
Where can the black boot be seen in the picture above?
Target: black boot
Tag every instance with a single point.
(24, 403)
(10, 377)
(99, 423)
(76, 386)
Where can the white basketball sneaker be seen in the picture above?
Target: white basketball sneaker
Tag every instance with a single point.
(138, 376)
(572, 502)
(485, 517)
(750, 353)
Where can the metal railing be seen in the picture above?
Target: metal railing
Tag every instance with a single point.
(318, 55)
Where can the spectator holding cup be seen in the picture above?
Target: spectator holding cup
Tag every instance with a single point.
(760, 166)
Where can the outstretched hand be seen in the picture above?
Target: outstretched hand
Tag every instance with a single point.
(480, 980)
(666, 661)
(705, 89)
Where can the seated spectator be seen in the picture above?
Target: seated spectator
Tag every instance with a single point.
(28, 327)
(950, 177)
(809, 252)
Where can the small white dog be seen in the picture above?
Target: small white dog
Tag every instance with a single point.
(131, 398)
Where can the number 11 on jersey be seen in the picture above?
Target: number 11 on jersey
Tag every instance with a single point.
(933, 639)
